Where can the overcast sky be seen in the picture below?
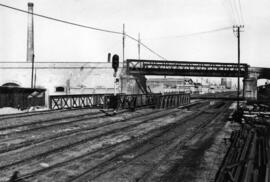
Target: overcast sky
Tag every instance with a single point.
(161, 23)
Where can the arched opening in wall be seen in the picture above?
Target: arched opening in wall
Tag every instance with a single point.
(10, 84)
(59, 89)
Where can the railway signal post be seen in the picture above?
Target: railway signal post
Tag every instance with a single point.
(115, 65)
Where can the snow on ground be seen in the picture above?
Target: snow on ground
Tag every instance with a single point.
(9, 110)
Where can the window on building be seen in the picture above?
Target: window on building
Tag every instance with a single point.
(59, 89)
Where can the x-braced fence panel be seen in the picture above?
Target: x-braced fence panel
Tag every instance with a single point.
(77, 101)
(123, 101)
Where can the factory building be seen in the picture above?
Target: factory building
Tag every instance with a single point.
(63, 77)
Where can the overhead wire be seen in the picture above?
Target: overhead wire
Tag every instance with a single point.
(85, 26)
(193, 34)
(228, 7)
(62, 21)
(118, 32)
(234, 11)
(145, 46)
(236, 16)
(241, 12)
(238, 10)
(177, 36)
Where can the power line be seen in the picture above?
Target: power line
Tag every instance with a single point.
(84, 26)
(238, 12)
(195, 33)
(241, 12)
(145, 46)
(228, 6)
(63, 21)
(235, 12)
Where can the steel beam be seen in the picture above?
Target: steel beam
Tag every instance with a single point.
(184, 68)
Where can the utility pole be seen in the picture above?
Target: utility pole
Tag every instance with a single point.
(124, 37)
(139, 46)
(237, 29)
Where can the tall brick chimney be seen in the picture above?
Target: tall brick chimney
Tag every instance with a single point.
(30, 33)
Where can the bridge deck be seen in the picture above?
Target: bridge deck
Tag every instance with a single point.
(183, 68)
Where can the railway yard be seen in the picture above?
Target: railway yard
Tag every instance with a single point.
(134, 91)
(195, 142)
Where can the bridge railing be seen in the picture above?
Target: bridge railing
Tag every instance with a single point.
(129, 101)
(77, 101)
(124, 101)
(173, 100)
(182, 68)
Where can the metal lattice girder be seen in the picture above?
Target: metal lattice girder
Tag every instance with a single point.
(184, 68)
(76, 101)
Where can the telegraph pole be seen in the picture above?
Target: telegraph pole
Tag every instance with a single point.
(237, 29)
(124, 37)
(139, 46)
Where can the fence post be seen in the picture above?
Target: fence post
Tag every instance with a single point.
(50, 102)
(166, 101)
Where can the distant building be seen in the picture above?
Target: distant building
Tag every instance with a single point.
(165, 85)
(226, 82)
(197, 88)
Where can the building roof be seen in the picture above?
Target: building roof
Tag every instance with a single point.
(20, 89)
(168, 79)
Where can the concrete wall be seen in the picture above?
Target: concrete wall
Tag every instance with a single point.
(75, 77)
(250, 88)
(50, 75)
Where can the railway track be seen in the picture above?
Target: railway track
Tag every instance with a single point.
(36, 125)
(24, 121)
(66, 127)
(34, 113)
(122, 146)
(60, 149)
(6, 126)
(170, 141)
(21, 157)
(130, 141)
(25, 159)
(71, 130)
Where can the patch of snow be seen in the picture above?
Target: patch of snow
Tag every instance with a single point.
(9, 110)
(43, 164)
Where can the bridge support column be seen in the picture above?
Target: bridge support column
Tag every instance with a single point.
(132, 84)
(250, 88)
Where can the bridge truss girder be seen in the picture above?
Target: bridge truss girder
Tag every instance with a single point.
(184, 68)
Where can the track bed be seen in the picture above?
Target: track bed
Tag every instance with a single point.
(145, 145)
